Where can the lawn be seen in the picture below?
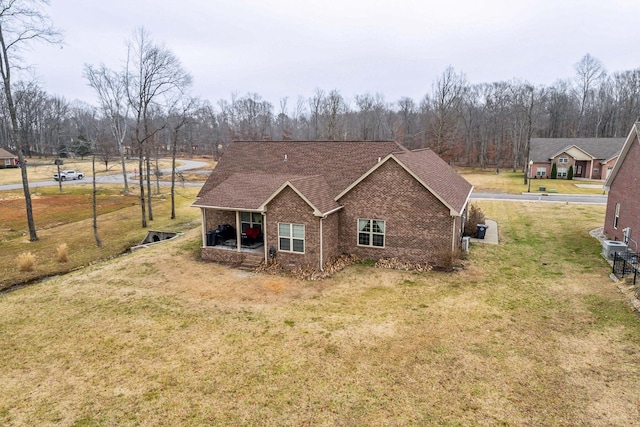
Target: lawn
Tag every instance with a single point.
(531, 332)
(66, 218)
(486, 180)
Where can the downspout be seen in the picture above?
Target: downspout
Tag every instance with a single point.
(321, 245)
(204, 227)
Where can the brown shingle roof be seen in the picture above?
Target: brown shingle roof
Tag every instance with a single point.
(4, 154)
(440, 178)
(340, 162)
(251, 172)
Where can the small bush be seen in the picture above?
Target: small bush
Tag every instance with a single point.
(26, 261)
(62, 253)
(448, 261)
(475, 216)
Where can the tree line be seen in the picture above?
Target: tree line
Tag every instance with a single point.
(481, 125)
(145, 110)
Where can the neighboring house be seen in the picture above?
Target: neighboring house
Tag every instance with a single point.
(591, 158)
(8, 160)
(307, 202)
(623, 202)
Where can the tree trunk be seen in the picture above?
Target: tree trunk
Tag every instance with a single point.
(95, 204)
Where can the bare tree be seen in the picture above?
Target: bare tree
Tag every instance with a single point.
(589, 75)
(153, 73)
(21, 21)
(111, 90)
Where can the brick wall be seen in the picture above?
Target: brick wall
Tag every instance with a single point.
(330, 237)
(418, 225)
(215, 218)
(290, 208)
(625, 189)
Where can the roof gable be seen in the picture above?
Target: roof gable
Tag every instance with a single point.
(433, 173)
(4, 154)
(631, 138)
(575, 152)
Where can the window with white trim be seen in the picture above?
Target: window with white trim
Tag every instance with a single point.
(562, 172)
(250, 220)
(563, 160)
(371, 232)
(541, 171)
(596, 170)
(616, 217)
(291, 237)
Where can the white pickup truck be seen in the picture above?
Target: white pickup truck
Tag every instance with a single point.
(69, 174)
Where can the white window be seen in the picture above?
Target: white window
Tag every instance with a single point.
(291, 237)
(616, 216)
(250, 220)
(595, 170)
(371, 232)
(563, 160)
(541, 171)
(562, 172)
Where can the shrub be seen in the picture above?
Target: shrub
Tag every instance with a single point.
(448, 261)
(62, 253)
(570, 173)
(475, 216)
(26, 261)
(554, 171)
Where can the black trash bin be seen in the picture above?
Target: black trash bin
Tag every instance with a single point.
(481, 231)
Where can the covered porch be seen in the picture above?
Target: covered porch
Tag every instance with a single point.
(233, 230)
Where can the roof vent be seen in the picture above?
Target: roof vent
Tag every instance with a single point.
(379, 159)
(285, 158)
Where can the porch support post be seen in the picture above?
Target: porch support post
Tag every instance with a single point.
(591, 169)
(204, 227)
(238, 232)
(453, 233)
(264, 237)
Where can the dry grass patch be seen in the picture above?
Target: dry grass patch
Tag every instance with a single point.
(161, 338)
(26, 262)
(67, 218)
(62, 253)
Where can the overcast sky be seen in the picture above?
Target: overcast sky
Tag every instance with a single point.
(289, 48)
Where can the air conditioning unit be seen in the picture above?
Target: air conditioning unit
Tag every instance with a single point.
(610, 247)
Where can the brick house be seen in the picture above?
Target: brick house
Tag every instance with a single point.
(306, 202)
(8, 160)
(623, 202)
(591, 158)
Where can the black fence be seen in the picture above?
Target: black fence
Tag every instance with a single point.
(625, 264)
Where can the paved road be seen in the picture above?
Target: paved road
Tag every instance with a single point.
(116, 178)
(570, 198)
(192, 164)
